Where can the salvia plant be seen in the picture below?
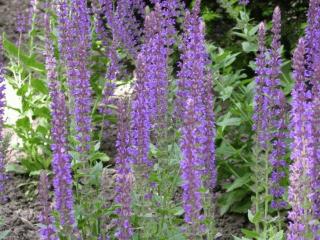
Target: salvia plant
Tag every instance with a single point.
(138, 127)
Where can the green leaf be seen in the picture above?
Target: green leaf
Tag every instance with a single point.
(228, 199)
(239, 182)
(14, 51)
(42, 112)
(39, 86)
(23, 90)
(23, 123)
(249, 47)
(16, 168)
(249, 233)
(4, 234)
(229, 121)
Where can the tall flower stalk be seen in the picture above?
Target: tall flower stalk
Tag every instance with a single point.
(47, 230)
(61, 163)
(124, 180)
(3, 176)
(277, 116)
(74, 39)
(191, 172)
(195, 85)
(302, 150)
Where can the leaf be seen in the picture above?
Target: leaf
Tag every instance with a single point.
(39, 86)
(4, 234)
(278, 235)
(249, 47)
(239, 182)
(228, 199)
(256, 218)
(14, 51)
(229, 121)
(16, 168)
(249, 233)
(226, 93)
(23, 123)
(42, 112)
(23, 90)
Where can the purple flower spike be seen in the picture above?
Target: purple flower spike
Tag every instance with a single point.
(124, 180)
(260, 105)
(210, 135)
(111, 76)
(302, 149)
(61, 162)
(74, 43)
(195, 84)
(155, 51)
(140, 116)
(312, 36)
(277, 115)
(47, 230)
(191, 170)
(3, 176)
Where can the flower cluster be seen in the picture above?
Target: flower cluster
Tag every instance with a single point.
(302, 149)
(3, 176)
(198, 133)
(277, 115)
(61, 162)
(270, 108)
(191, 169)
(124, 24)
(124, 180)
(47, 230)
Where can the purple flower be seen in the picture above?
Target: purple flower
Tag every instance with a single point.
(244, 2)
(155, 55)
(124, 24)
(140, 117)
(3, 176)
(277, 114)
(260, 99)
(74, 38)
(312, 36)
(302, 149)
(210, 135)
(112, 75)
(47, 230)
(191, 169)
(197, 117)
(61, 163)
(124, 180)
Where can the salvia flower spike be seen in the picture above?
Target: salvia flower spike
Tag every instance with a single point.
(260, 106)
(191, 173)
(61, 162)
(302, 149)
(3, 176)
(47, 230)
(124, 179)
(277, 116)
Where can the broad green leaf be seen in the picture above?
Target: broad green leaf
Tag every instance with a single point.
(249, 47)
(23, 123)
(39, 86)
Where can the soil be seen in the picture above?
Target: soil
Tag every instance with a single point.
(20, 211)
